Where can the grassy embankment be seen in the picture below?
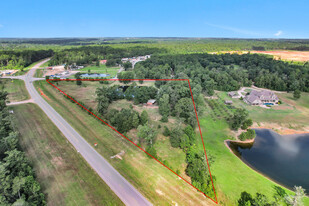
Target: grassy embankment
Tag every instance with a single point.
(157, 183)
(16, 89)
(64, 175)
(102, 69)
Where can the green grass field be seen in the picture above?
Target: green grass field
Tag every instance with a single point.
(39, 73)
(154, 181)
(232, 175)
(64, 175)
(16, 89)
(102, 69)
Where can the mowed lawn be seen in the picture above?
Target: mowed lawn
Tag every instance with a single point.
(289, 112)
(103, 69)
(16, 89)
(64, 175)
(231, 174)
(154, 181)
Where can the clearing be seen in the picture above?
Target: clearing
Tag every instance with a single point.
(16, 89)
(102, 69)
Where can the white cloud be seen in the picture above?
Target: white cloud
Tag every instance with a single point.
(233, 29)
(279, 33)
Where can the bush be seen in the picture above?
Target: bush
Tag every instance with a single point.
(152, 151)
(166, 131)
(249, 134)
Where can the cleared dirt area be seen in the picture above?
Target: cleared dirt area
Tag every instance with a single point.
(286, 55)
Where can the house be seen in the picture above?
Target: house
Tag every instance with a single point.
(151, 102)
(234, 95)
(103, 61)
(228, 102)
(263, 97)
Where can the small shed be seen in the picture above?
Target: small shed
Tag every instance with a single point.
(228, 102)
(151, 101)
(103, 61)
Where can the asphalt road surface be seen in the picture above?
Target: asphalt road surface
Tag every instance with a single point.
(121, 187)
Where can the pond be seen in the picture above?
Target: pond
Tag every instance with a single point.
(94, 75)
(284, 159)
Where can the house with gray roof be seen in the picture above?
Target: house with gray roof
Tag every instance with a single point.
(263, 97)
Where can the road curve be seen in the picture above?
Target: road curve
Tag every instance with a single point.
(121, 187)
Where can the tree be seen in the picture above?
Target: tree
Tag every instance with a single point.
(297, 199)
(152, 151)
(296, 94)
(127, 66)
(166, 131)
(164, 105)
(18, 183)
(176, 134)
(97, 63)
(238, 118)
(135, 121)
(144, 117)
(247, 123)
(245, 199)
(190, 133)
(147, 133)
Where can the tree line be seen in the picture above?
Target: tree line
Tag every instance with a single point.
(89, 54)
(226, 72)
(23, 58)
(18, 185)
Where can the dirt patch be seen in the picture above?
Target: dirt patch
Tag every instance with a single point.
(44, 95)
(286, 55)
(57, 161)
(281, 129)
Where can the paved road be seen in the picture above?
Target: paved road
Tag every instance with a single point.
(122, 188)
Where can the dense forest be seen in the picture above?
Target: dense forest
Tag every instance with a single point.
(226, 72)
(17, 179)
(23, 58)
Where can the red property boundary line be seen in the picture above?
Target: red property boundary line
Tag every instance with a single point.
(50, 80)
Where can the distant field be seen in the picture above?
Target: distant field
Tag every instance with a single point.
(16, 89)
(155, 182)
(102, 69)
(64, 175)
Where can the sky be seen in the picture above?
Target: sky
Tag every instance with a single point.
(155, 18)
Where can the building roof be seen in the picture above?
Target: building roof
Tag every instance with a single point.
(233, 94)
(151, 101)
(257, 96)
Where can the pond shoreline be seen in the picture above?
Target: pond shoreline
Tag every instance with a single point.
(252, 168)
(227, 141)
